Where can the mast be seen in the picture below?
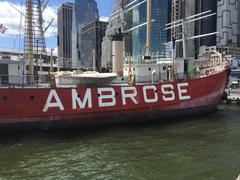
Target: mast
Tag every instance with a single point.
(51, 62)
(149, 28)
(34, 40)
(29, 39)
(184, 38)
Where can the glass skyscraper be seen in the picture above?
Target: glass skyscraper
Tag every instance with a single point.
(136, 14)
(85, 12)
(113, 27)
(182, 9)
(208, 25)
(135, 41)
(238, 23)
(159, 49)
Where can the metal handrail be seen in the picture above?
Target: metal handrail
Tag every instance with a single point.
(22, 81)
(38, 81)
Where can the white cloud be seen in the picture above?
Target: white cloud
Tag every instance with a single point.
(11, 18)
(102, 18)
(49, 14)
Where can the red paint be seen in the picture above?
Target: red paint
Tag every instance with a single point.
(26, 105)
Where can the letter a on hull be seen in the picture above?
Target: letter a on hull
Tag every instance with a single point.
(49, 104)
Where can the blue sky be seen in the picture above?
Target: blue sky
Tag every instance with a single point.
(104, 6)
(11, 19)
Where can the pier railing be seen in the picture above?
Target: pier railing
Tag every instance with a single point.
(24, 80)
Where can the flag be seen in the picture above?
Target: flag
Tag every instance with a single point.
(3, 28)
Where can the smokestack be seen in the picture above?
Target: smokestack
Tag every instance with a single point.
(117, 53)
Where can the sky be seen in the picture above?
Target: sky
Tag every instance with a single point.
(11, 18)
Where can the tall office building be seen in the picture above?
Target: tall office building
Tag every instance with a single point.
(160, 11)
(181, 9)
(134, 18)
(205, 26)
(65, 12)
(85, 12)
(176, 14)
(91, 39)
(208, 25)
(227, 22)
(113, 28)
(238, 24)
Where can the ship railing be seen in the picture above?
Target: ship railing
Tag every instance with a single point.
(23, 81)
(170, 76)
(210, 65)
(40, 81)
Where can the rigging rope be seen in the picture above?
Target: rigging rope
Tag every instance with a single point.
(18, 36)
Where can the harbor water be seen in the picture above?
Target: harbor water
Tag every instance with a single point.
(185, 149)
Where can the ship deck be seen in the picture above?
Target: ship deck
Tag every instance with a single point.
(11, 82)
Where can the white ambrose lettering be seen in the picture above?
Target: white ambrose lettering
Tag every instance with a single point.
(154, 89)
(170, 93)
(50, 104)
(126, 95)
(81, 103)
(111, 96)
(182, 91)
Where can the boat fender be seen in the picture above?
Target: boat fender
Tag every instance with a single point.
(154, 72)
(131, 79)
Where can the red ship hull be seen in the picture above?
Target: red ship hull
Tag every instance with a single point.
(46, 107)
